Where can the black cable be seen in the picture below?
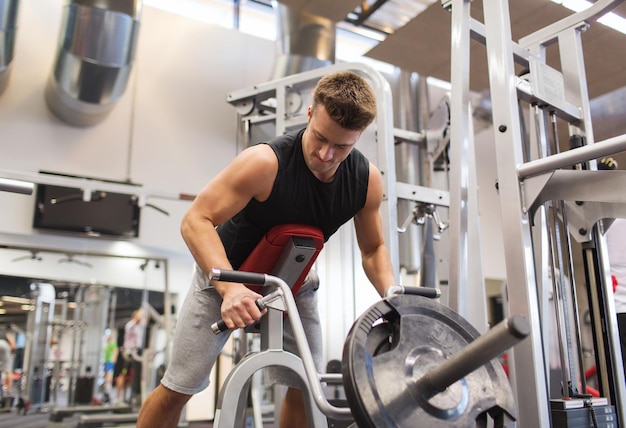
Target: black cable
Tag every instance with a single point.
(594, 418)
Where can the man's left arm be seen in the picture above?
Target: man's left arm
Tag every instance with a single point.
(369, 232)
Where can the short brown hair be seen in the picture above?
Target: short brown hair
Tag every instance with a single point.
(349, 100)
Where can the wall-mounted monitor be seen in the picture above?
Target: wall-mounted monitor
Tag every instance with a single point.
(106, 214)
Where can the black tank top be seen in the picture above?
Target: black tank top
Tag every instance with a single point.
(297, 197)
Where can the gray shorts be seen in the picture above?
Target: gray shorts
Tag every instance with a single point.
(195, 348)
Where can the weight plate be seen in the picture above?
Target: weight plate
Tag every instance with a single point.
(397, 341)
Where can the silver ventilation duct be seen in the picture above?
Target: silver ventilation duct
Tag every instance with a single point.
(94, 60)
(8, 29)
(306, 41)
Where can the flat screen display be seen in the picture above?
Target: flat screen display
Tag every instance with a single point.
(63, 209)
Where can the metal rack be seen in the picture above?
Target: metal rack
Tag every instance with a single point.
(546, 196)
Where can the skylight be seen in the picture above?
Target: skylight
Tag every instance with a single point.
(611, 20)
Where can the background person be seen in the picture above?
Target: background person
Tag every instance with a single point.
(130, 374)
(313, 176)
(109, 354)
(7, 349)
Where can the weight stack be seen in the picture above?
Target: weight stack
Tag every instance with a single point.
(602, 416)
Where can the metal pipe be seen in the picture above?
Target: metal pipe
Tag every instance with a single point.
(551, 32)
(586, 153)
(167, 314)
(95, 55)
(306, 41)
(479, 352)
(8, 29)
(15, 186)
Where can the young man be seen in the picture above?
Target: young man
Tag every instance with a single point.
(314, 176)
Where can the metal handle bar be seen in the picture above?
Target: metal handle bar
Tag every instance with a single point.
(298, 331)
(238, 276)
(431, 293)
(247, 278)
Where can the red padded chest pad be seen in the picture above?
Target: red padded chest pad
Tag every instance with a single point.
(267, 252)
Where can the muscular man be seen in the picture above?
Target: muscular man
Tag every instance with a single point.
(313, 176)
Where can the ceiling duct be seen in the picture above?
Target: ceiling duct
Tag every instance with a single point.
(95, 55)
(8, 29)
(306, 41)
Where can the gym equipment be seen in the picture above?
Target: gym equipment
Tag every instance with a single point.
(39, 326)
(457, 392)
(229, 415)
(410, 361)
(536, 180)
(287, 251)
(269, 255)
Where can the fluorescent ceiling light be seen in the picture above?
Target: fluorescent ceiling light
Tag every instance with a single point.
(611, 20)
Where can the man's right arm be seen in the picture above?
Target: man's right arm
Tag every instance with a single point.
(250, 175)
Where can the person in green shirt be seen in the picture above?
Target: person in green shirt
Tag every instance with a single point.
(110, 352)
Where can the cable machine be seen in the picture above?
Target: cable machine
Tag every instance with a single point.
(549, 196)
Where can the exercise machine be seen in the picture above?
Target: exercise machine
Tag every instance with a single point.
(404, 330)
(287, 251)
(408, 361)
(551, 196)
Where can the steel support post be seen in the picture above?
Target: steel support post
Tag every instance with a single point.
(529, 371)
(467, 294)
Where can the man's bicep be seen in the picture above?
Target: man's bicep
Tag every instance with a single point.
(368, 221)
(368, 227)
(248, 176)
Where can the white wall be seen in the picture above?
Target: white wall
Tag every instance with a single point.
(171, 131)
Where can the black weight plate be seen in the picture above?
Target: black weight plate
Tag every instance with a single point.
(395, 342)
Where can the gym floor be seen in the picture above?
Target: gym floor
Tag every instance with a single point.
(40, 420)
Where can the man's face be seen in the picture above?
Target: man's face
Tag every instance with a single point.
(325, 144)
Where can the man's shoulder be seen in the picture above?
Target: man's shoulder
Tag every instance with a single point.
(259, 156)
